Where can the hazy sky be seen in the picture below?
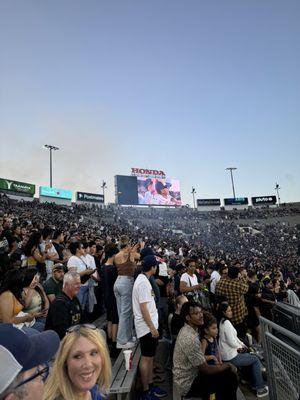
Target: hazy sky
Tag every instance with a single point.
(190, 87)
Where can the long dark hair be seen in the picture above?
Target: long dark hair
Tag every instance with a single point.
(221, 310)
(13, 282)
(33, 241)
(29, 274)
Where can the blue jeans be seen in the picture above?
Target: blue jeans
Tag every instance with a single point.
(246, 360)
(34, 329)
(83, 296)
(123, 293)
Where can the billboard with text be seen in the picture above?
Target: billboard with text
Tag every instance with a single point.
(208, 202)
(264, 200)
(48, 191)
(236, 201)
(17, 187)
(90, 197)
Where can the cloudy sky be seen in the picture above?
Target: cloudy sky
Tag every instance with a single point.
(189, 87)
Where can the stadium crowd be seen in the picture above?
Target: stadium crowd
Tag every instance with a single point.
(199, 279)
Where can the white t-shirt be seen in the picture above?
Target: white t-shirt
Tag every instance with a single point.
(215, 277)
(49, 263)
(79, 264)
(190, 280)
(161, 200)
(143, 293)
(89, 260)
(150, 198)
(163, 269)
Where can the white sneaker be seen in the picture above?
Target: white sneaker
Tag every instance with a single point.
(262, 392)
(128, 345)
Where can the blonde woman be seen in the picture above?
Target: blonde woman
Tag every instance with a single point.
(82, 368)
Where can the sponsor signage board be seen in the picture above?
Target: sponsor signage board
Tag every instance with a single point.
(208, 202)
(91, 197)
(236, 201)
(148, 173)
(263, 200)
(17, 187)
(55, 192)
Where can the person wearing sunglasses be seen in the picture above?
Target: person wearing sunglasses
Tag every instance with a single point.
(24, 362)
(82, 368)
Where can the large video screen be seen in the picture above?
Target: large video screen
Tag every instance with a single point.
(126, 190)
(159, 192)
(132, 190)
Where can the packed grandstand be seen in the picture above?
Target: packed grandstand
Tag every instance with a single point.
(234, 266)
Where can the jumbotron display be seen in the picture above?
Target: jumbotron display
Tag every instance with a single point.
(156, 191)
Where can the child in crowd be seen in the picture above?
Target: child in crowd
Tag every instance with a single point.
(209, 344)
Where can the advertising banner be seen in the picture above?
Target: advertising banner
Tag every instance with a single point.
(208, 202)
(148, 173)
(236, 201)
(90, 197)
(17, 187)
(264, 200)
(55, 192)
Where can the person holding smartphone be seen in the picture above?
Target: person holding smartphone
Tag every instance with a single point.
(35, 298)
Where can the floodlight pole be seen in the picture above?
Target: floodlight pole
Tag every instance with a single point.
(277, 188)
(232, 181)
(103, 187)
(193, 193)
(50, 148)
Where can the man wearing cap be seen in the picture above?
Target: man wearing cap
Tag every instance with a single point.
(53, 286)
(146, 326)
(23, 362)
(163, 196)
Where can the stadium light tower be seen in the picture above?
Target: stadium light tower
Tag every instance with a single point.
(103, 187)
(232, 181)
(277, 188)
(50, 148)
(193, 193)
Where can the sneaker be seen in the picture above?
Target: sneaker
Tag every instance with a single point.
(262, 392)
(128, 345)
(158, 392)
(147, 396)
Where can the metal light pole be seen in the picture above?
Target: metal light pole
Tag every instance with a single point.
(193, 193)
(50, 148)
(103, 187)
(277, 188)
(232, 182)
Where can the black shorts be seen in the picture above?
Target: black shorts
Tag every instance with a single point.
(148, 345)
